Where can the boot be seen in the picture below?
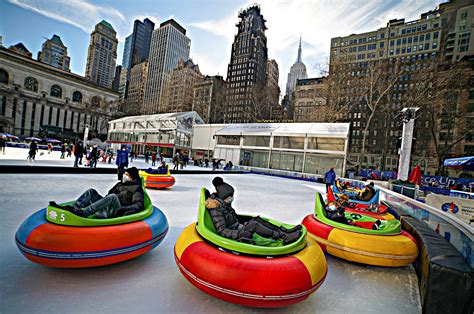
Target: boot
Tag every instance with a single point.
(77, 211)
(295, 228)
(56, 205)
(376, 225)
(291, 237)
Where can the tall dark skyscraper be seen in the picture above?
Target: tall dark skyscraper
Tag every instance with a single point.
(246, 71)
(136, 50)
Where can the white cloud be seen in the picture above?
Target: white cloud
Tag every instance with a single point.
(79, 13)
(318, 21)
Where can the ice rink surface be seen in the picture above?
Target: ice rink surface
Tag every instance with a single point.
(152, 283)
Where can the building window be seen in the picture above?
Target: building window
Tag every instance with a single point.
(260, 141)
(56, 91)
(471, 94)
(77, 96)
(3, 76)
(288, 142)
(228, 140)
(31, 84)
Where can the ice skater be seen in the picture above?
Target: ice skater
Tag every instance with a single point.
(33, 150)
(3, 143)
(121, 161)
(330, 178)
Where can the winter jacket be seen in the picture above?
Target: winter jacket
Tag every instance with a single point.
(78, 151)
(330, 177)
(224, 218)
(334, 214)
(33, 148)
(130, 195)
(160, 170)
(94, 153)
(122, 158)
(367, 194)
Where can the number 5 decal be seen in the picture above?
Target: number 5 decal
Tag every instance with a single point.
(63, 217)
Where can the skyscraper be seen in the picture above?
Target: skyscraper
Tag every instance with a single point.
(54, 53)
(124, 73)
(179, 93)
(102, 55)
(136, 50)
(169, 44)
(297, 72)
(272, 76)
(136, 89)
(246, 70)
(116, 81)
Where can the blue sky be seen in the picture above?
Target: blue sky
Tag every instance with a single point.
(210, 25)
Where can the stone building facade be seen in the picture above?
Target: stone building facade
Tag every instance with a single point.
(179, 92)
(272, 76)
(310, 97)
(209, 98)
(37, 98)
(440, 34)
(136, 90)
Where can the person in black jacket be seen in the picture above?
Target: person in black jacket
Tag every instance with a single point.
(78, 153)
(125, 198)
(94, 155)
(230, 225)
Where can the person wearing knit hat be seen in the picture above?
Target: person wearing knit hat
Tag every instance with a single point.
(230, 225)
(223, 189)
(125, 198)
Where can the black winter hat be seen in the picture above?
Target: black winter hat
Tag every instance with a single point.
(223, 189)
(133, 172)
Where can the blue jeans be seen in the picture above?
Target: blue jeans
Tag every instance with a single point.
(76, 160)
(93, 203)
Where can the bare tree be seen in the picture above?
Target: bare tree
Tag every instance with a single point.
(336, 90)
(261, 101)
(439, 89)
(374, 86)
(448, 124)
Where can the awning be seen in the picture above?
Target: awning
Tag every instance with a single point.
(462, 163)
(338, 130)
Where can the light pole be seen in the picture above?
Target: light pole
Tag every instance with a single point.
(86, 134)
(408, 120)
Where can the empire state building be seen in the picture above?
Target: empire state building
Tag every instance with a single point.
(297, 72)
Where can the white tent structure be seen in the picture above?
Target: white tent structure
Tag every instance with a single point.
(301, 147)
(170, 132)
